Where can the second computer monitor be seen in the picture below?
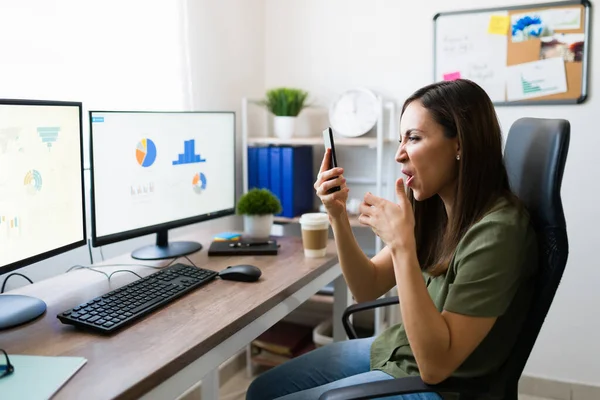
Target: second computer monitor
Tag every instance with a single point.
(154, 171)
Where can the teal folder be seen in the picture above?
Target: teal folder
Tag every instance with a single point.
(38, 377)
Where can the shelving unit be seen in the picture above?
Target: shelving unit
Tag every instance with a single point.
(378, 143)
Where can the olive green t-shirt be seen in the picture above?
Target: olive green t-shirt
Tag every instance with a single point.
(490, 275)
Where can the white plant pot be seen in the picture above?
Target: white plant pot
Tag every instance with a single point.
(283, 127)
(258, 226)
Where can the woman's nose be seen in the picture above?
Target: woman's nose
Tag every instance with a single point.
(401, 155)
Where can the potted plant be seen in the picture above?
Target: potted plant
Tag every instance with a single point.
(285, 104)
(258, 206)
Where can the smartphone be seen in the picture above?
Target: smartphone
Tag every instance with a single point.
(328, 141)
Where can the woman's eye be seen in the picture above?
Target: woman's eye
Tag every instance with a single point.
(410, 138)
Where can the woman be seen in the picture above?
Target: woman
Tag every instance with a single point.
(458, 247)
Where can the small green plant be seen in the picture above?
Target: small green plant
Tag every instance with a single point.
(285, 102)
(258, 202)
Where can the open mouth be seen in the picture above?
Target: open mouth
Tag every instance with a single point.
(409, 177)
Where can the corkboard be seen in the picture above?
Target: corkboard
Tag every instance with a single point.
(522, 52)
(526, 51)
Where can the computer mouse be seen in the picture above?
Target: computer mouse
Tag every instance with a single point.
(241, 273)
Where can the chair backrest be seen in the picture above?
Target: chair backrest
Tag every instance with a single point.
(535, 155)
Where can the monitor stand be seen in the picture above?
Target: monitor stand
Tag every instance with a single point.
(163, 249)
(16, 309)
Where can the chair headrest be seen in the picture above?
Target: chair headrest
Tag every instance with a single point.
(535, 155)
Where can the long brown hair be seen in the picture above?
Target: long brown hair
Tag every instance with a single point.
(464, 110)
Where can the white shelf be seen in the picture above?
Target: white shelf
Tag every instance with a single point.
(296, 220)
(311, 141)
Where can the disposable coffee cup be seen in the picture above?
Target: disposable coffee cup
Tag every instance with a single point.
(315, 232)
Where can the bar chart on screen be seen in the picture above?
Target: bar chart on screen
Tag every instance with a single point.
(10, 228)
(189, 155)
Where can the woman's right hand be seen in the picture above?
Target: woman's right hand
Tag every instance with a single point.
(335, 203)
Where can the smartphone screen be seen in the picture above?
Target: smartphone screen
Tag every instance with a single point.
(328, 141)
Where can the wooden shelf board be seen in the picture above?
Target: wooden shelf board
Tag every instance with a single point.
(285, 220)
(359, 141)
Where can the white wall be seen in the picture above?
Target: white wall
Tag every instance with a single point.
(329, 46)
(226, 56)
(133, 55)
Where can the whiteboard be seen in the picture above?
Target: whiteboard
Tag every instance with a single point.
(463, 46)
(527, 54)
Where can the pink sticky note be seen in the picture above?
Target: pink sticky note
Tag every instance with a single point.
(452, 76)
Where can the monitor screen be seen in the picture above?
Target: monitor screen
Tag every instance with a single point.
(153, 171)
(42, 210)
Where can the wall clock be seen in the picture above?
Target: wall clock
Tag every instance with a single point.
(355, 112)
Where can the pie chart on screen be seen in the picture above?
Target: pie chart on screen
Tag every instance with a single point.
(145, 152)
(199, 182)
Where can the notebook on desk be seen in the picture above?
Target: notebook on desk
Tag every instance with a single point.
(38, 377)
(243, 247)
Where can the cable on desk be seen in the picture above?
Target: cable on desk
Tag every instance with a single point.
(13, 274)
(120, 265)
(101, 253)
(108, 276)
(123, 270)
(88, 268)
(190, 261)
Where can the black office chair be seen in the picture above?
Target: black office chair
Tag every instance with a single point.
(535, 155)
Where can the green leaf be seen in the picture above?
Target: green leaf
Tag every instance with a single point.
(285, 102)
(258, 202)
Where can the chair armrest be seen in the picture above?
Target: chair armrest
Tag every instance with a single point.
(408, 385)
(367, 305)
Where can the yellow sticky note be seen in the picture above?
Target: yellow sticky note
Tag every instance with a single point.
(499, 25)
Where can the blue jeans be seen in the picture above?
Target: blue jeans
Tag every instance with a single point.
(333, 366)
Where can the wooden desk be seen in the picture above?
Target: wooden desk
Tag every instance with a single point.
(164, 354)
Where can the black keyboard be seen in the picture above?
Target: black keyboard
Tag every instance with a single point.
(121, 307)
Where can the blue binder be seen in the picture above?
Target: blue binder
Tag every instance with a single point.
(275, 182)
(252, 167)
(297, 180)
(263, 168)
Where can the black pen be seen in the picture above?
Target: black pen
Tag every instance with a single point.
(250, 244)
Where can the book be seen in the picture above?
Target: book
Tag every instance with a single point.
(38, 377)
(269, 359)
(285, 338)
(224, 248)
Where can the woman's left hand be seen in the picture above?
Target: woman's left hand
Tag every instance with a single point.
(394, 223)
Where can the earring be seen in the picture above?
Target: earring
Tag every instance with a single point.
(458, 157)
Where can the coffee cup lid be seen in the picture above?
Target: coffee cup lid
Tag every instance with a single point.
(314, 219)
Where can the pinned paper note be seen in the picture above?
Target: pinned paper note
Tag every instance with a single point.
(499, 25)
(564, 18)
(452, 76)
(569, 46)
(535, 79)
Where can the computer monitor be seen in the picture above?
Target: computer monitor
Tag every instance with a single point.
(155, 171)
(42, 209)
